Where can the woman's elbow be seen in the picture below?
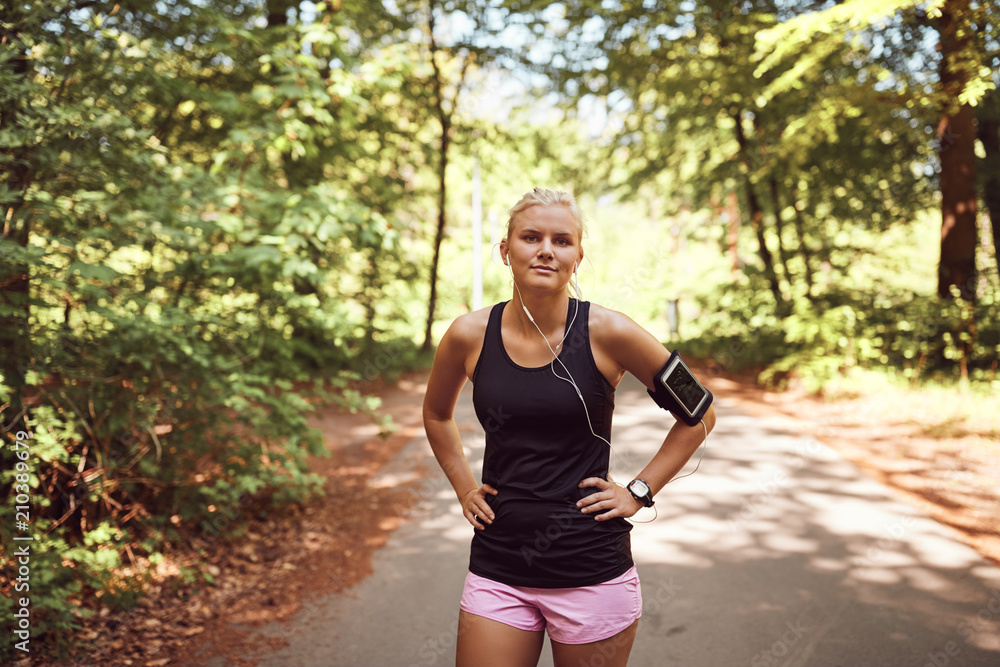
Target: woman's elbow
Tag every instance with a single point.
(434, 415)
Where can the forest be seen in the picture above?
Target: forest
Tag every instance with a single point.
(218, 215)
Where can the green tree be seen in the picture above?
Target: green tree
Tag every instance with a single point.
(200, 202)
(963, 77)
(445, 104)
(988, 119)
(800, 157)
(819, 126)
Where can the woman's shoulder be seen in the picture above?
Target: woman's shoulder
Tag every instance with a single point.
(611, 325)
(632, 347)
(469, 329)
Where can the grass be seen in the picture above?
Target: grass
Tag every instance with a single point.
(942, 410)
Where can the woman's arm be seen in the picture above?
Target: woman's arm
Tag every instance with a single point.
(635, 350)
(448, 376)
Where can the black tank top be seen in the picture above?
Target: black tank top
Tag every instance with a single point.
(538, 449)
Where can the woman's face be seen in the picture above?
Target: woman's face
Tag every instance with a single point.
(543, 247)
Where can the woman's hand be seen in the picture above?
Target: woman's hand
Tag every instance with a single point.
(475, 507)
(612, 497)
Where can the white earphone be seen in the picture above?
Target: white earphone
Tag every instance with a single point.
(555, 356)
(569, 378)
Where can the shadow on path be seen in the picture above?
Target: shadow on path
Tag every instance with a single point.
(776, 552)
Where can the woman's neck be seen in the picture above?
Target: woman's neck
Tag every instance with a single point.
(548, 310)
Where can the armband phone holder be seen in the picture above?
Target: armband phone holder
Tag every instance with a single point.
(678, 391)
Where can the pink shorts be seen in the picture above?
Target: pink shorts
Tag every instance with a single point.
(570, 615)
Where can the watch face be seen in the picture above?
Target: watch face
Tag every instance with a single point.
(639, 488)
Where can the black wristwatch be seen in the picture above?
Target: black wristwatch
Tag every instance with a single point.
(640, 491)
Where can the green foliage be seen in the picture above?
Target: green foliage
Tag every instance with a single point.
(805, 39)
(901, 333)
(213, 224)
(874, 310)
(207, 223)
(809, 125)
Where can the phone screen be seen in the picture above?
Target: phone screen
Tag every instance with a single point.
(684, 387)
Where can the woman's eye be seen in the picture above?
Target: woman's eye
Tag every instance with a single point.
(530, 238)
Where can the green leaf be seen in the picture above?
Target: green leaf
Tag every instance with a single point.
(87, 271)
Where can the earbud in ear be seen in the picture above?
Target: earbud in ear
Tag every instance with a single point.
(574, 267)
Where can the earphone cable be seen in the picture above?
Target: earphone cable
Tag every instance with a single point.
(576, 388)
(555, 358)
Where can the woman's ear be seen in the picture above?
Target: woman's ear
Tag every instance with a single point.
(503, 253)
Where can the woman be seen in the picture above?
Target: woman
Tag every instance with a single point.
(551, 544)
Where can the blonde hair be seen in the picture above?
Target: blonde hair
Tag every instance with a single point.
(545, 197)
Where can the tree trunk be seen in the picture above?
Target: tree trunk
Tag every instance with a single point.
(989, 134)
(439, 235)
(756, 214)
(445, 118)
(779, 229)
(277, 12)
(956, 135)
(734, 236)
(800, 231)
(14, 276)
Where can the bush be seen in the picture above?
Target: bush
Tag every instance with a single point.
(917, 336)
(144, 433)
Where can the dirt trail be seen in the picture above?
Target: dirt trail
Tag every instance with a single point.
(280, 561)
(284, 560)
(946, 469)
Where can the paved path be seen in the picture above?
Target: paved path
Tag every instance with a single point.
(776, 552)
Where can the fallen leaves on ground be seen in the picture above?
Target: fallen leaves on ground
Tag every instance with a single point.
(278, 565)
